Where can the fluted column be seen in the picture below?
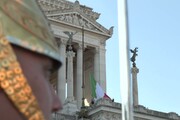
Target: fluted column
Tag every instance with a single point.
(62, 72)
(79, 75)
(135, 71)
(96, 64)
(102, 67)
(70, 96)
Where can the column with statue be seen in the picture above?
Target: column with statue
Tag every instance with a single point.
(70, 105)
(134, 71)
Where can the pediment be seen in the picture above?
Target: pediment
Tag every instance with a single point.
(76, 19)
(73, 14)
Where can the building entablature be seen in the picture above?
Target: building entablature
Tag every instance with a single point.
(89, 39)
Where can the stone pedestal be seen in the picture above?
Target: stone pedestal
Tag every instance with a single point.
(134, 71)
(70, 108)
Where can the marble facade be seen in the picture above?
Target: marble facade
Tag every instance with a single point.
(73, 17)
(79, 63)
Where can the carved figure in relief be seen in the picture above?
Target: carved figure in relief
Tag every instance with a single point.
(69, 18)
(89, 25)
(82, 22)
(75, 19)
(62, 17)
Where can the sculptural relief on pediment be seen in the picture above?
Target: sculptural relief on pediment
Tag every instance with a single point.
(75, 19)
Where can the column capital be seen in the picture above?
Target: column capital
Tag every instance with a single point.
(103, 42)
(134, 70)
(63, 42)
(96, 50)
(79, 46)
(70, 54)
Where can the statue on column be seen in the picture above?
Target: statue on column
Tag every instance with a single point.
(133, 58)
(134, 71)
(69, 42)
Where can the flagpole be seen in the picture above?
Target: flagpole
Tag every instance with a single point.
(125, 78)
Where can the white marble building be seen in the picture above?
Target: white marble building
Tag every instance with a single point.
(73, 17)
(80, 21)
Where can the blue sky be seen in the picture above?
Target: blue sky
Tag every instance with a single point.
(154, 28)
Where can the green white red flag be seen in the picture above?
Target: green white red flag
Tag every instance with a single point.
(96, 90)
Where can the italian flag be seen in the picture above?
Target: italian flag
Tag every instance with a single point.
(96, 90)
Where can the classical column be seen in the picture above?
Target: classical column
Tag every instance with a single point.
(96, 64)
(70, 105)
(70, 96)
(102, 67)
(62, 72)
(134, 71)
(79, 74)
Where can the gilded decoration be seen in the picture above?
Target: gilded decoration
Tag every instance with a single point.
(15, 85)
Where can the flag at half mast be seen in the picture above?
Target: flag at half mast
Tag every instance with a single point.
(96, 90)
